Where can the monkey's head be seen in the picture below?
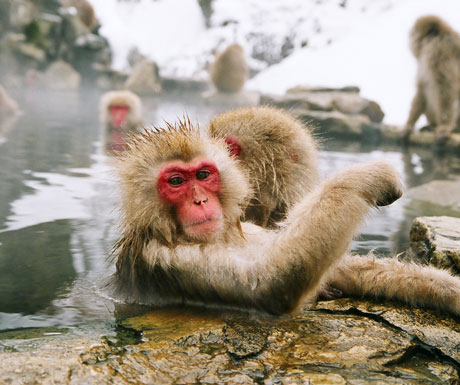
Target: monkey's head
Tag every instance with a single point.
(179, 186)
(426, 28)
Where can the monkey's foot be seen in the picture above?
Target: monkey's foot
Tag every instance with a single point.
(328, 292)
(442, 134)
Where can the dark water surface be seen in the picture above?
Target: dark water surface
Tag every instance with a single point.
(58, 205)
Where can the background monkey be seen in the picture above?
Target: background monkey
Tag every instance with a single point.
(230, 70)
(436, 46)
(120, 113)
(279, 154)
(182, 240)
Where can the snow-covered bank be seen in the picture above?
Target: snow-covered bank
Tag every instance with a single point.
(333, 42)
(373, 55)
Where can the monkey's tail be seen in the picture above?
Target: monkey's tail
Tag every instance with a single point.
(414, 284)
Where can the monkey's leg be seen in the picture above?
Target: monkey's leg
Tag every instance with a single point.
(416, 285)
(416, 110)
(319, 230)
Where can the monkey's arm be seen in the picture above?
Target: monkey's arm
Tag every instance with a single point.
(407, 282)
(275, 270)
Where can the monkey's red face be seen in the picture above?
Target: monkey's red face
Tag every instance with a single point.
(193, 189)
(118, 115)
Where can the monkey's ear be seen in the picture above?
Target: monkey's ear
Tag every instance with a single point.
(233, 146)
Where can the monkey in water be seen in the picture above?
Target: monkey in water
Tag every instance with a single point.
(182, 241)
(230, 70)
(120, 113)
(436, 46)
(279, 153)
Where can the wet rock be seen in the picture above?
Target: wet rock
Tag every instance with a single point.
(61, 76)
(232, 100)
(337, 123)
(303, 89)
(184, 84)
(438, 192)
(347, 102)
(436, 241)
(420, 138)
(344, 341)
(431, 328)
(144, 79)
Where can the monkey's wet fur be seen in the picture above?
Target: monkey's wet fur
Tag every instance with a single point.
(183, 241)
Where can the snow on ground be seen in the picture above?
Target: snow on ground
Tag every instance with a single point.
(333, 42)
(373, 54)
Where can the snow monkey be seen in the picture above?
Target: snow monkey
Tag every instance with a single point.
(120, 113)
(279, 153)
(436, 46)
(230, 70)
(182, 241)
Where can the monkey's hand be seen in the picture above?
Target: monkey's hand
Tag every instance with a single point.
(378, 182)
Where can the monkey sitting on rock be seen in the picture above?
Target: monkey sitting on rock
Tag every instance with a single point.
(230, 70)
(436, 46)
(182, 240)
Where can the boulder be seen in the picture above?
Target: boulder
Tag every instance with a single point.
(61, 76)
(438, 192)
(232, 100)
(436, 241)
(338, 123)
(349, 103)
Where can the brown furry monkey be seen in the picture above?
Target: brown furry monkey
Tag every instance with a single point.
(182, 241)
(279, 153)
(436, 46)
(230, 70)
(120, 113)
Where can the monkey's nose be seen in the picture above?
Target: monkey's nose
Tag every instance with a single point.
(201, 201)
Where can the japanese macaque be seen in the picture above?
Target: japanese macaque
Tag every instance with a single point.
(120, 113)
(85, 12)
(436, 46)
(279, 154)
(230, 70)
(182, 241)
(8, 107)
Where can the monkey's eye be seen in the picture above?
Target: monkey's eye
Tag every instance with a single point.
(175, 181)
(200, 175)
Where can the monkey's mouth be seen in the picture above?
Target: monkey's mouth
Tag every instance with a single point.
(204, 228)
(202, 221)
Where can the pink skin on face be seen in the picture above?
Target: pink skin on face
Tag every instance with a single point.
(118, 115)
(193, 189)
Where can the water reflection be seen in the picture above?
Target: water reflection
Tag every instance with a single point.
(35, 264)
(58, 199)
